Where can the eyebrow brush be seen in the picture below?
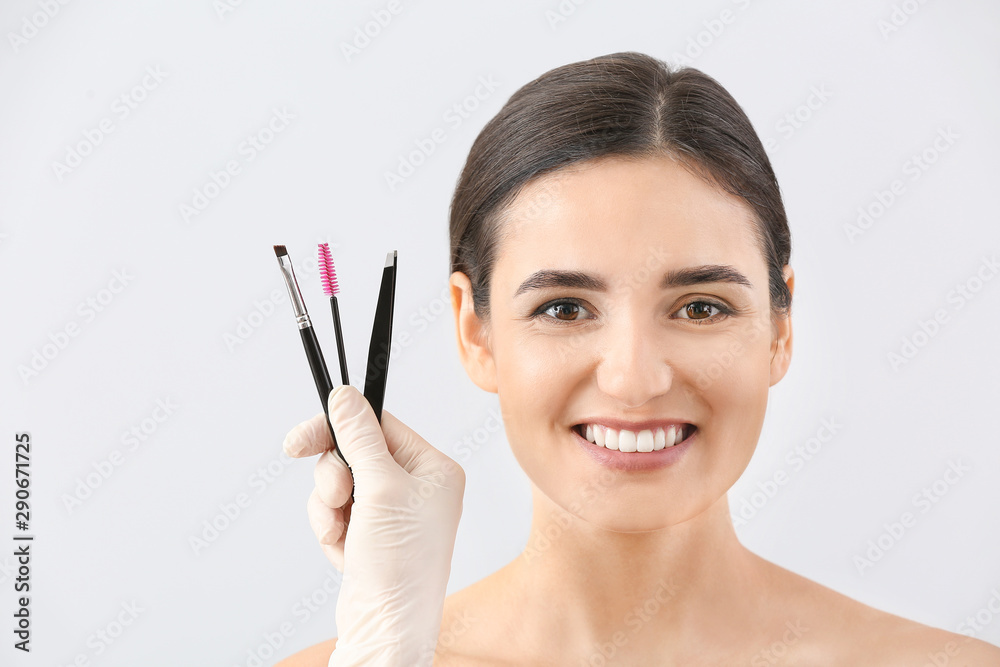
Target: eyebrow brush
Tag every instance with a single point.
(328, 274)
(320, 374)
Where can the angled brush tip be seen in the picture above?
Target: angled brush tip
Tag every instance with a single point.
(327, 272)
(279, 251)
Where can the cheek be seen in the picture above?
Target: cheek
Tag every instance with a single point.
(734, 382)
(534, 380)
(537, 378)
(734, 366)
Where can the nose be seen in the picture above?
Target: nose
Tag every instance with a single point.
(633, 367)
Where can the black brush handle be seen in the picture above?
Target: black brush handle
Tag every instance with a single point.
(322, 377)
(340, 340)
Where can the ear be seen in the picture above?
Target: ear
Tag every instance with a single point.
(472, 334)
(781, 343)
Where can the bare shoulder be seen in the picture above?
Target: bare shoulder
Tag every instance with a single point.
(475, 627)
(935, 646)
(464, 640)
(837, 629)
(317, 655)
(900, 641)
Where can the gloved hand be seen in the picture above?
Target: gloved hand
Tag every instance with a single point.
(394, 542)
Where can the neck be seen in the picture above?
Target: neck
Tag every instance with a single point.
(591, 586)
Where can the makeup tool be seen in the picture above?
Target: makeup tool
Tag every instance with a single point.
(313, 353)
(328, 274)
(378, 349)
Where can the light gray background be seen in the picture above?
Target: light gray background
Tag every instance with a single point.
(885, 96)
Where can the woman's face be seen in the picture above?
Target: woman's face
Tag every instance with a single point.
(611, 342)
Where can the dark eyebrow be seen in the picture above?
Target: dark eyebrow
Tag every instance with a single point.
(708, 273)
(692, 275)
(551, 278)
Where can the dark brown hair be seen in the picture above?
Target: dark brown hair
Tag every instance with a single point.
(623, 104)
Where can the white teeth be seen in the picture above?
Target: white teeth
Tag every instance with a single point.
(611, 438)
(627, 441)
(644, 443)
(647, 440)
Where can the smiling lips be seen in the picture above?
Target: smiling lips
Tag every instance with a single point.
(627, 440)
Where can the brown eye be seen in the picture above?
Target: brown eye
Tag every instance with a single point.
(699, 310)
(562, 311)
(565, 310)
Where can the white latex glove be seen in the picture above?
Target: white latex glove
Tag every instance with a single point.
(394, 542)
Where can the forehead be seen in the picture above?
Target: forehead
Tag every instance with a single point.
(617, 210)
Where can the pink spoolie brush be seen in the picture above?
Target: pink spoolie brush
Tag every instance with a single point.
(328, 274)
